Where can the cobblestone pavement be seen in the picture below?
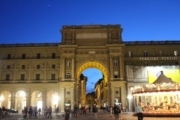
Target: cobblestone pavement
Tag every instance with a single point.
(89, 116)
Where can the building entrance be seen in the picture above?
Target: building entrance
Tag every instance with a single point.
(101, 86)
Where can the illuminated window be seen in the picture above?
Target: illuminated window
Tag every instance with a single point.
(115, 74)
(175, 53)
(160, 53)
(130, 54)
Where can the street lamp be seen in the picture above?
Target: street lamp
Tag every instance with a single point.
(129, 97)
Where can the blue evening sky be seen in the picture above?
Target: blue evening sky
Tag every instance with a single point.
(40, 21)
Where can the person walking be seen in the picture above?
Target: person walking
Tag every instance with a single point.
(116, 112)
(67, 113)
(111, 111)
(139, 111)
(95, 110)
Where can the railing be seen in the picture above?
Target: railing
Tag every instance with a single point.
(29, 44)
(25, 81)
(175, 42)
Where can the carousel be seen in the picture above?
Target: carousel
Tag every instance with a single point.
(161, 98)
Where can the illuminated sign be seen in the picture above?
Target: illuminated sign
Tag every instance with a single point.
(157, 58)
(172, 72)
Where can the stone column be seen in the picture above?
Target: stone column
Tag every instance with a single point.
(62, 99)
(13, 99)
(111, 69)
(29, 75)
(45, 70)
(28, 98)
(112, 96)
(72, 70)
(121, 68)
(72, 98)
(62, 68)
(44, 98)
(123, 96)
(14, 74)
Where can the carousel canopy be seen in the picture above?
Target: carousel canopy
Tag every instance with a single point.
(162, 79)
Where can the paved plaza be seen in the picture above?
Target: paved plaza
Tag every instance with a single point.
(88, 116)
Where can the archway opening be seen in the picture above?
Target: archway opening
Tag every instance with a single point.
(5, 99)
(93, 75)
(101, 90)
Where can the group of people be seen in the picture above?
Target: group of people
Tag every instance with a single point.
(34, 111)
(3, 112)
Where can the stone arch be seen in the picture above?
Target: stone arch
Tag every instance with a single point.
(5, 99)
(20, 100)
(36, 98)
(52, 99)
(93, 64)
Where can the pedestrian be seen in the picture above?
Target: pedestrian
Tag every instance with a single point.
(39, 111)
(116, 112)
(67, 113)
(95, 110)
(139, 111)
(111, 111)
(89, 109)
(75, 110)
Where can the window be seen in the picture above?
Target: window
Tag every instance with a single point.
(38, 56)
(37, 76)
(146, 64)
(68, 75)
(22, 76)
(38, 66)
(53, 66)
(8, 66)
(53, 76)
(115, 63)
(7, 76)
(23, 66)
(23, 56)
(53, 55)
(160, 53)
(68, 64)
(130, 54)
(115, 74)
(9, 56)
(175, 53)
(145, 54)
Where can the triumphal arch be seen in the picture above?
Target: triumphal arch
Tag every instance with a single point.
(93, 46)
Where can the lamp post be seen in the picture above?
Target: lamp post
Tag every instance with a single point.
(129, 97)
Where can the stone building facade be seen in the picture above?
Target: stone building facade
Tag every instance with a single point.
(48, 74)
